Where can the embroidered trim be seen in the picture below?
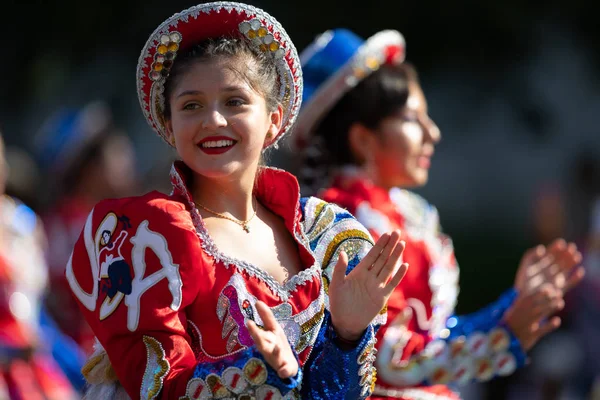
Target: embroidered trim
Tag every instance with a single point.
(422, 224)
(284, 292)
(235, 383)
(367, 371)
(478, 356)
(318, 218)
(289, 71)
(157, 368)
(330, 230)
(201, 354)
(326, 234)
(236, 304)
(412, 394)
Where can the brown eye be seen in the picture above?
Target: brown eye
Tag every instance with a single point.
(235, 102)
(191, 106)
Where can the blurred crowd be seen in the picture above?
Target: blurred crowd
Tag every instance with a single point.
(79, 157)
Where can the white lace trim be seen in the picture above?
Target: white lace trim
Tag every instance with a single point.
(285, 291)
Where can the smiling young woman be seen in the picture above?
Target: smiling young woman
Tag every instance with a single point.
(232, 286)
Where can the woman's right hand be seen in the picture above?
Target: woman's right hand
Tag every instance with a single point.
(357, 298)
(272, 343)
(530, 317)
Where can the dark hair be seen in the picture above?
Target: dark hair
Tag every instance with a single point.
(378, 96)
(263, 78)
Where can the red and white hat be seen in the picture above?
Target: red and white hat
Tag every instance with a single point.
(210, 20)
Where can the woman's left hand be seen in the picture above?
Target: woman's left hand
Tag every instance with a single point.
(530, 317)
(356, 299)
(557, 264)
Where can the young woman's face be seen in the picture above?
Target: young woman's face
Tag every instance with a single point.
(220, 124)
(402, 154)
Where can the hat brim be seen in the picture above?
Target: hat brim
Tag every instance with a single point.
(385, 47)
(210, 20)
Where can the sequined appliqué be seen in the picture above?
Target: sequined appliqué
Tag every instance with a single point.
(367, 371)
(236, 304)
(477, 356)
(157, 368)
(245, 383)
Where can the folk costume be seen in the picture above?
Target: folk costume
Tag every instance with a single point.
(168, 308)
(423, 347)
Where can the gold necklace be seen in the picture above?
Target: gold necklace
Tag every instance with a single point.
(243, 224)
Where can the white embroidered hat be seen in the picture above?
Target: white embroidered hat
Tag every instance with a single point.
(210, 20)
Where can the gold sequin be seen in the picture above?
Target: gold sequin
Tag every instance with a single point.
(274, 46)
(255, 372)
(162, 49)
(216, 386)
(156, 369)
(335, 242)
(372, 63)
(319, 207)
(365, 353)
(323, 221)
(311, 323)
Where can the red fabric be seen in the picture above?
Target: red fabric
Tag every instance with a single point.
(207, 25)
(12, 333)
(203, 280)
(29, 373)
(350, 191)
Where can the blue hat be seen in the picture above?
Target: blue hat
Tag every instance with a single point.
(334, 63)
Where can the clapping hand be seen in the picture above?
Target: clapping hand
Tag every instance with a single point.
(357, 298)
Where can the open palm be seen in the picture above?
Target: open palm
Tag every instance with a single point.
(357, 298)
(556, 264)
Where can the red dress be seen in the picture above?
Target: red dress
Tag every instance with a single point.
(423, 347)
(170, 309)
